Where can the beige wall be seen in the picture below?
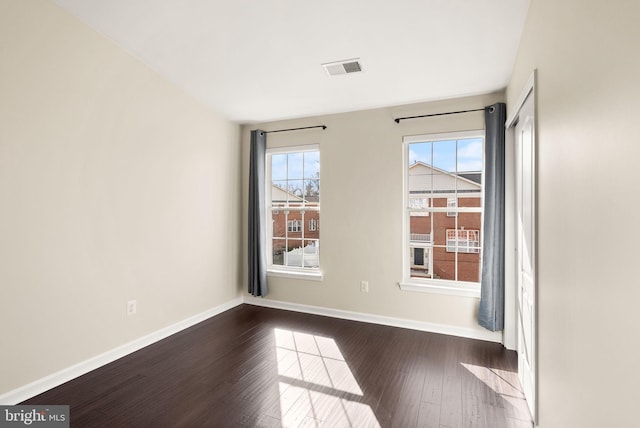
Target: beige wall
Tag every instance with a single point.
(114, 185)
(586, 53)
(361, 219)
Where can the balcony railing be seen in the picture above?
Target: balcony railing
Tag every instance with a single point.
(420, 237)
(463, 241)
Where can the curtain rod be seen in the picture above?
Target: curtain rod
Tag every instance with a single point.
(297, 129)
(437, 114)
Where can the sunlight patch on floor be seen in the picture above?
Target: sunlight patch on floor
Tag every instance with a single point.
(507, 385)
(317, 388)
(503, 382)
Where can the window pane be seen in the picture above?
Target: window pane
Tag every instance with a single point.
(420, 152)
(469, 221)
(279, 194)
(473, 200)
(311, 164)
(444, 264)
(294, 167)
(444, 155)
(279, 223)
(279, 167)
(470, 155)
(420, 228)
(419, 183)
(278, 250)
(420, 262)
(442, 222)
(469, 267)
(295, 188)
(294, 254)
(312, 191)
(311, 253)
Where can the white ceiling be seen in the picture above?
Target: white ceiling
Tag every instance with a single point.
(259, 60)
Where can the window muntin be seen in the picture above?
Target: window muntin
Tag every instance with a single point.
(293, 189)
(446, 171)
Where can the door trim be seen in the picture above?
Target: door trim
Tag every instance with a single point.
(530, 89)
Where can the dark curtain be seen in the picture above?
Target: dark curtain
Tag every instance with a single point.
(491, 313)
(257, 218)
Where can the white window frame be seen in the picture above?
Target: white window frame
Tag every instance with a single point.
(439, 286)
(314, 274)
(313, 225)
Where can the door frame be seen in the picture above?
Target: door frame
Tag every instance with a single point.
(511, 292)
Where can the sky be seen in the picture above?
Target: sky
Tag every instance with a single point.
(296, 172)
(468, 153)
(295, 166)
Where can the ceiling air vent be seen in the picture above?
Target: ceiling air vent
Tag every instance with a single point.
(343, 67)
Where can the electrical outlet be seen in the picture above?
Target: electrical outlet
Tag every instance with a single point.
(364, 286)
(132, 307)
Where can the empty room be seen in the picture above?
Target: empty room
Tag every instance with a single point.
(298, 214)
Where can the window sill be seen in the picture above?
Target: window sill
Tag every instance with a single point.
(308, 276)
(452, 290)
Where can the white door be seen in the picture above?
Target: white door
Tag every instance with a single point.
(525, 241)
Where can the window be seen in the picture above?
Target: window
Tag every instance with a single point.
(293, 200)
(293, 225)
(451, 203)
(463, 241)
(419, 202)
(443, 211)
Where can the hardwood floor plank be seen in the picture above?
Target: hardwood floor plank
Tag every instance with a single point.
(410, 399)
(434, 377)
(451, 407)
(473, 412)
(261, 367)
(429, 415)
(388, 403)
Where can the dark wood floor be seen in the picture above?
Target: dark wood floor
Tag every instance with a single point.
(259, 367)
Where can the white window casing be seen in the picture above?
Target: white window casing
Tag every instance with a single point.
(293, 202)
(442, 214)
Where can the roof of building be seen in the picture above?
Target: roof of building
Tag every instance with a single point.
(433, 179)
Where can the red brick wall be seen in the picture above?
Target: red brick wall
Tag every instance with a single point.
(295, 238)
(444, 261)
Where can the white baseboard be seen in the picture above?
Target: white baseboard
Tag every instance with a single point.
(378, 319)
(58, 378)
